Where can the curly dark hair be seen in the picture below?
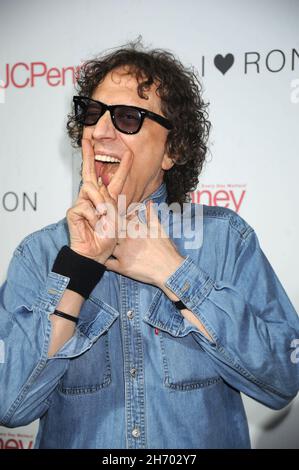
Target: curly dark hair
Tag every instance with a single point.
(181, 102)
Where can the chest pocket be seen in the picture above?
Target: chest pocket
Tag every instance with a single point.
(186, 366)
(89, 372)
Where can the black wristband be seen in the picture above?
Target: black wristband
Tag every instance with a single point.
(84, 273)
(179, 304)
(66, 316)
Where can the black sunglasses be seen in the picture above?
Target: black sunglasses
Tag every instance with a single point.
(126, 119)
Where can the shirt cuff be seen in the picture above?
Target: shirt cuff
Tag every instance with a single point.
(190, 284)
(95, 318)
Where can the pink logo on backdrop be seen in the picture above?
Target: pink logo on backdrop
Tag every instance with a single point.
(22, 75)
(10, 440)
(222, 195)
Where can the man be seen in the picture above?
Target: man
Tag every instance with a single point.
(122, 341)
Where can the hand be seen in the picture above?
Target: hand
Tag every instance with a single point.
(93, 220)
(151, 257)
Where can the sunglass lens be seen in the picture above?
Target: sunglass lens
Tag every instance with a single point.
(88, 112)
(127, 119)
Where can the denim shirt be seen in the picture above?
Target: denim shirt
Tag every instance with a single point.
(136, 374)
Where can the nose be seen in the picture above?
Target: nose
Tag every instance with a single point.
(104, 128)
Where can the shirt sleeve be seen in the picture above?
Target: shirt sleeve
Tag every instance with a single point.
(27, 299)
(251, 320)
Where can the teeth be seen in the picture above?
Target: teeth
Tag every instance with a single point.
(106, 158)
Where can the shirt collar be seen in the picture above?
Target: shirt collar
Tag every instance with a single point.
(157, 196)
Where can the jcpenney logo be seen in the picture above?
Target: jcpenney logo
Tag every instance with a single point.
(13, 441)
(22, 75)
(222, 195)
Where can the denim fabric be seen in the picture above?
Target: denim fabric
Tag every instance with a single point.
(136, 374)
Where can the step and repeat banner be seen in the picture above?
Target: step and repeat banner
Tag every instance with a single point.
(247, 55)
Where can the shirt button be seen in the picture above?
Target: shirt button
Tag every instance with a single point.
(133, 372)
(130, 314)
(136, 432)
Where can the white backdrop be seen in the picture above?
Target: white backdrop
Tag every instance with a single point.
(247, 53)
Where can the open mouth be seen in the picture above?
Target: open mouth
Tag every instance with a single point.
(106, 166)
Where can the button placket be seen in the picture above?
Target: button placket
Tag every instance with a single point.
(133, 362)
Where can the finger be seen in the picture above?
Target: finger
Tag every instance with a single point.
(104, 228)
(132, 216)
(97, 192)
(105, 193)
(85, 211)
(90, 192)
(108, 207)
(117, 183)
(102, 208)
(88, 169)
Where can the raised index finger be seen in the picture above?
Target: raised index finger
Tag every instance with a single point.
(119, 178)
(88, 169)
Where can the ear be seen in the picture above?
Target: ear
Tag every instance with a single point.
(167, 162)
